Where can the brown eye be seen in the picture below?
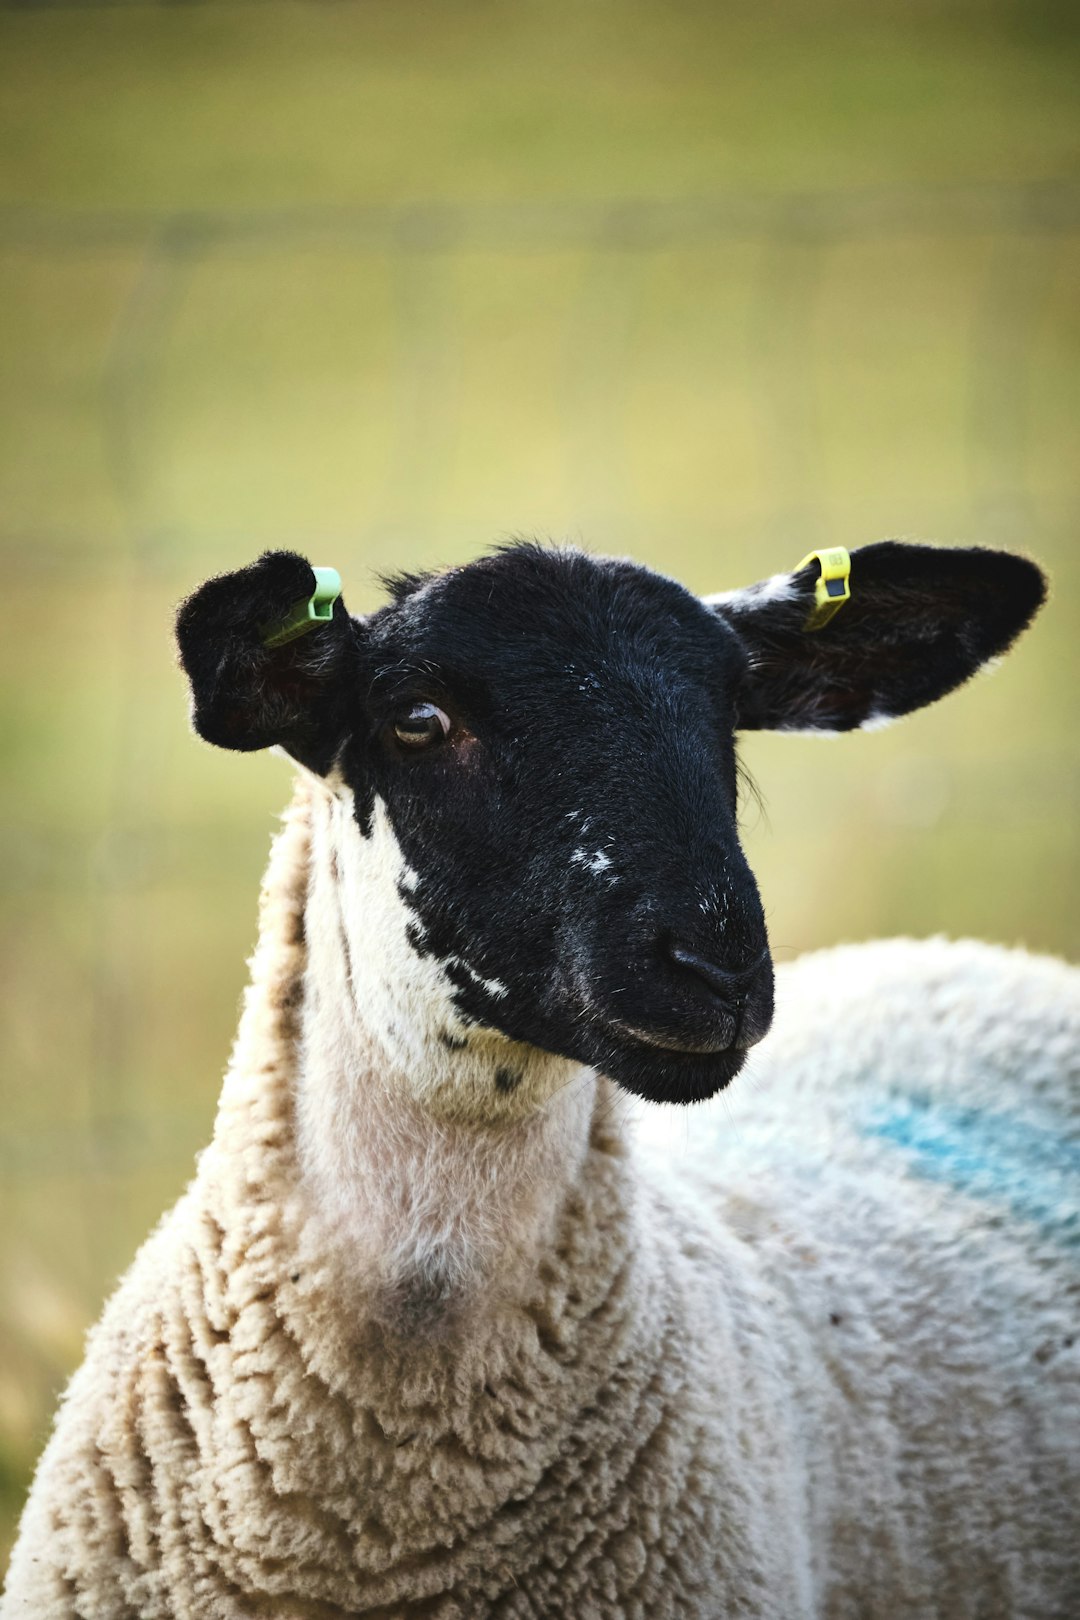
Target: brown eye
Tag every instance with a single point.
(423, 725)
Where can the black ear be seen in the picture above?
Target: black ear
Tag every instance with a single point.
(247, 695)
(920, 620)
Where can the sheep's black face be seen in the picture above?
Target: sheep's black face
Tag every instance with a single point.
(552, 738)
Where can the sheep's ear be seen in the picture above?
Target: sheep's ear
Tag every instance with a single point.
(246, 694)
(919, 621)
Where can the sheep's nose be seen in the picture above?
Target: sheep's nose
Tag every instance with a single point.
(733, 989)
(723, 982)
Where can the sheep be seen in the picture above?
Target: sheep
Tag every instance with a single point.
(436, 1329)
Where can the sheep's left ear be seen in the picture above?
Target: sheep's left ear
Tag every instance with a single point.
(919, 621)
(254, 682)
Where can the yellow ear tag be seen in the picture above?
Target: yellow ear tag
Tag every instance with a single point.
(318, 608)
(833, 588)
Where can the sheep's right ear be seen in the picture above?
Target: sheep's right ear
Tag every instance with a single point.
(248, 695)
(920, 621)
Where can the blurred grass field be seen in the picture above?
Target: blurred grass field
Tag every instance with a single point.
(706, 285)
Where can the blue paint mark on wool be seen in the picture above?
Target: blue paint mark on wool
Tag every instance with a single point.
(992, 1156)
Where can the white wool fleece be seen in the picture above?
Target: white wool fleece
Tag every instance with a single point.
(810, 1350)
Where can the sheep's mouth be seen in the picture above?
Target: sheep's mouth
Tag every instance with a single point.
(697, 1046)
(678, 1034)
(664, 1061)
(648, 1067)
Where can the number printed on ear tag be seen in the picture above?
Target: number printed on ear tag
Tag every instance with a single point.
(833, 587)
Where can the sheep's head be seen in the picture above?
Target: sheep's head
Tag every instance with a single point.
(550, 739)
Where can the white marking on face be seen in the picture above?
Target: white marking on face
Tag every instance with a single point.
(597, 863)
(365, 969)
(398, 1097)
(494, 987)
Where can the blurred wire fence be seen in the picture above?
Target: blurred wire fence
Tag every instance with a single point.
(114, 5)
(795, 236)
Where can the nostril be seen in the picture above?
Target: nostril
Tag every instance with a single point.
(736, 1001)
(723, 982)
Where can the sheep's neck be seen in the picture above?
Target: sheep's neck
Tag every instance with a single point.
(350, 1232)
(439, 1191)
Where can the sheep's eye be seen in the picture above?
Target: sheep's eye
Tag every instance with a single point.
(423, 725)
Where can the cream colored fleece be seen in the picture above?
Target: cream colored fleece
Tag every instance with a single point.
(810, 1351)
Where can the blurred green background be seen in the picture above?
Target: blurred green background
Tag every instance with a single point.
(709, 284)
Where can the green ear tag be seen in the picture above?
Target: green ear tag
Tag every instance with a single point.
(833, 588)
(318, 608)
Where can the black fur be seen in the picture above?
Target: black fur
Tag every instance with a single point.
(578, 824)
(592, 710)
(245, 695)
(920, 621)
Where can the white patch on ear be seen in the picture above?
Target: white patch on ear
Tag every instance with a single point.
(777, 588)
(877, 720)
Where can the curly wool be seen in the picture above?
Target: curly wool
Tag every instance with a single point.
(809, 1352)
